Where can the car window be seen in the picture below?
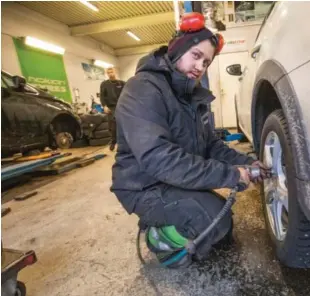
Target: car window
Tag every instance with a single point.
(3, 85)
(6, 80)
(265, 19)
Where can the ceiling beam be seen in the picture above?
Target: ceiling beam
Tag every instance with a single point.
(123, 24)
(137, 50)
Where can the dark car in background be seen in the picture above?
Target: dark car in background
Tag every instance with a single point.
(33, 119)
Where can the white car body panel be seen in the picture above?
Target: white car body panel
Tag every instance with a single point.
(285, 39)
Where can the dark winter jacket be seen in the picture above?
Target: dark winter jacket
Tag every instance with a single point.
(164, 136)
(110, 92)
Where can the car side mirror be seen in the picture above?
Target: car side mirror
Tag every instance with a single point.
(19, 83)
(234, 70)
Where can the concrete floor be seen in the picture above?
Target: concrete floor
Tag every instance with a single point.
(85, 243)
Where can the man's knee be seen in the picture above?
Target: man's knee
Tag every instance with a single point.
(193, 215)
(214, 203)
(190, 212)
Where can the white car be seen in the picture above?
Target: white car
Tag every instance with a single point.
(273, 111)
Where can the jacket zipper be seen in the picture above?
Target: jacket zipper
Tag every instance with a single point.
(195, 129)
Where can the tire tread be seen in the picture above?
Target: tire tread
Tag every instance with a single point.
(299, 254)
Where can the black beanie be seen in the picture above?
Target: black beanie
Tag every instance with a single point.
(182, 42)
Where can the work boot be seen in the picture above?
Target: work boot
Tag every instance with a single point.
(112, 147)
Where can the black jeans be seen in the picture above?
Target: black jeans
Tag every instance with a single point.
(189, 211)
(112, 127)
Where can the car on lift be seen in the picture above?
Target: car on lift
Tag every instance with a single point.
(273, 111)
(33, 119)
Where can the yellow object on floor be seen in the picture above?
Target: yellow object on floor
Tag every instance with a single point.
(35, 157)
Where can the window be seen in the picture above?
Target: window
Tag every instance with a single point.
(3, 85)
(247, 11)
(265, 19)
(6, 80)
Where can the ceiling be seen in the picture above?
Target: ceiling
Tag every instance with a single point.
(151, 21)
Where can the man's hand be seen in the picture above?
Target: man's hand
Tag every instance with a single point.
(244, 177)
(106, 110)
(265, 172)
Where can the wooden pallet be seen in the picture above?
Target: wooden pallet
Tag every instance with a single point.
(64, 166)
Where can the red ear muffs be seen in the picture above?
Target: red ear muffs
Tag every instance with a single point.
(195, 21)
(220, 43)
(192, 22)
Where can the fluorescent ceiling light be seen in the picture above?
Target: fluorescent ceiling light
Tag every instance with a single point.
(89, 5)
(132, 35)
(34, 42)
(103, 64)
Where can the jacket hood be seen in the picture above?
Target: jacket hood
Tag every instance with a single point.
(183, 87)
(154, 61)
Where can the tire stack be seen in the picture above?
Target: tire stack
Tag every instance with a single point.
(96, 129)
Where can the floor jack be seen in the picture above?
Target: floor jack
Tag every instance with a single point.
(12, 261)
(191, 246)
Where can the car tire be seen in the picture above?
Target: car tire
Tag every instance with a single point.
(95, 119)
(99, 142)
(80, 143)
(101, 134)
(294, 249)
(102, 127)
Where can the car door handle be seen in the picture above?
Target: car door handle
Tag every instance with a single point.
(255, 51)
(240, 78)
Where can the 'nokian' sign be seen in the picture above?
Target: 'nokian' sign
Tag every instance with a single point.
(50, 84)
(43, 70)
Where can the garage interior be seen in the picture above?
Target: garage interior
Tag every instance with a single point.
(56, 197)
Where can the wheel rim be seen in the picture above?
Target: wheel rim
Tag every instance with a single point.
(64, 140)
(275, 189)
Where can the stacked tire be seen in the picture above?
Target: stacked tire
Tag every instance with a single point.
(96, 129)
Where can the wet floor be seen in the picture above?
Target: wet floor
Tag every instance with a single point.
(85, 244)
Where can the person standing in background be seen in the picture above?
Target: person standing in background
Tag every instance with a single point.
(110, 91)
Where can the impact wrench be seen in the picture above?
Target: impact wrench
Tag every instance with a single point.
(254, 172)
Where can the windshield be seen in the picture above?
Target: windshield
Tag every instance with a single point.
(7, 79)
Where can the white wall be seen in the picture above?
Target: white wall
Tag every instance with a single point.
(128, 64)
(18, 21)
(247, 33)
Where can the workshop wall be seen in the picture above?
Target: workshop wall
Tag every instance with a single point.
(19, 21)
(128, 64)
(239, 38)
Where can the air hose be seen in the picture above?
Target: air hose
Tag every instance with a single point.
(190, 247)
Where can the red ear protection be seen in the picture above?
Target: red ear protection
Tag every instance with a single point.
(220, 43)
(195, 21)
(191, 22)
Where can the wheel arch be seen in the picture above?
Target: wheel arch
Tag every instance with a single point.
(69, 120)
(273, 80)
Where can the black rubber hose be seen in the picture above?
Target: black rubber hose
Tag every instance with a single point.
(139, 247)
(229, 203)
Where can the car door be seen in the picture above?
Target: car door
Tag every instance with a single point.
(13, 120)
(19, 125)
(244, 101)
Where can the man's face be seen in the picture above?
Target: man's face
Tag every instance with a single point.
(111, 74)
(196, 60)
